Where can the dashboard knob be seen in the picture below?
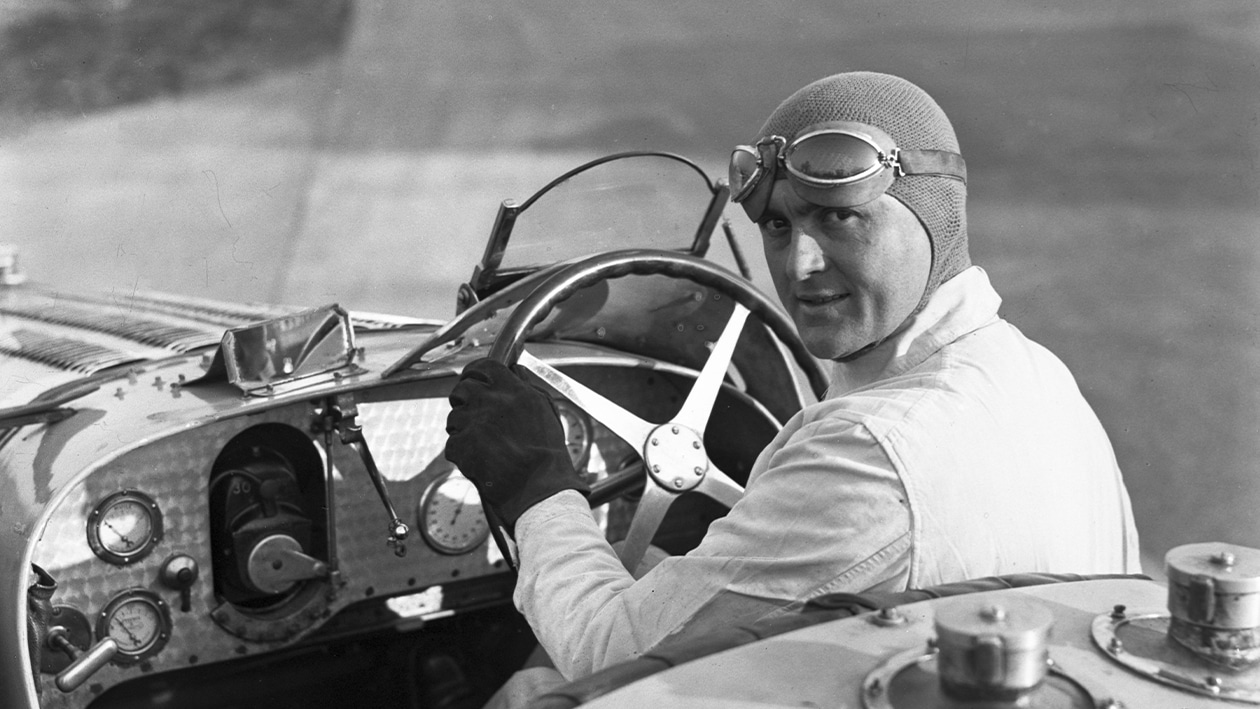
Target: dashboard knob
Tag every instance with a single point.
(180, 572)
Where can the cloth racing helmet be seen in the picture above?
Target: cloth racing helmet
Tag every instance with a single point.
(933, 182)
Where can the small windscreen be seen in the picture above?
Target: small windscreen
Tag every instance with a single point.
(647, 201)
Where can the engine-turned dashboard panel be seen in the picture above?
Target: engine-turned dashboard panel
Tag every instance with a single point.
(246, 534)
(217, 542)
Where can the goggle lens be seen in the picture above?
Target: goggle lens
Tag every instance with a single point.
(831, 157)
(744, 168)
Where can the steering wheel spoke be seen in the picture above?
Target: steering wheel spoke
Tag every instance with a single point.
(630, 428)
(647, 519)
(719, 486)
(695, 410)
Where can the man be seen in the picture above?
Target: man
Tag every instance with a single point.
(948, 447)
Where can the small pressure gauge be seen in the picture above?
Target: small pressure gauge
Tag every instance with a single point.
(139, 621)
(124, 527)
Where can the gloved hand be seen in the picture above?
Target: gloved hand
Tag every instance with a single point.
(505, 436)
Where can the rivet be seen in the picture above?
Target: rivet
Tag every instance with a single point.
(1224, 558)
(1115, 646)
(656, 468)
(994, 614)
(699, 470)
(656, 441)
(673, 429)
(678, 482)
(695, 444)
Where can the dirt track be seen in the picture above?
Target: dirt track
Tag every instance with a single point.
(1113, 151)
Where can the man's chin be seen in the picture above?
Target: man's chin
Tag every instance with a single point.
(831, 347)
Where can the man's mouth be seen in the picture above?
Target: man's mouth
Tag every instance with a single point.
(820, 299)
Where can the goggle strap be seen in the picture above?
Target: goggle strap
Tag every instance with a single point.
(938, 163)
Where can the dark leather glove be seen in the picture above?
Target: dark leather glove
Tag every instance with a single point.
(505, 436)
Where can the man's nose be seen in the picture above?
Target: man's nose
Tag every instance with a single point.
(806, 257)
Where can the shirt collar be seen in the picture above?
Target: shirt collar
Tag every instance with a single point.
(961, 305)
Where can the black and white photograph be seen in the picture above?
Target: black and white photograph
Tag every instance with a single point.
(531, 353)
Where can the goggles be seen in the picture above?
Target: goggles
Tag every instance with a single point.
(835, 164)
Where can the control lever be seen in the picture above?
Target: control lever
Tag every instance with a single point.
(345, 419)
(83, 664)
(180, 573)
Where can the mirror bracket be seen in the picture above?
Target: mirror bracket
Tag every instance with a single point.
(261, 357)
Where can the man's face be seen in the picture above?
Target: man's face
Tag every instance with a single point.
(847, 276)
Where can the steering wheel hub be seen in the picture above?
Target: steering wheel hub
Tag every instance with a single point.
(675, 458)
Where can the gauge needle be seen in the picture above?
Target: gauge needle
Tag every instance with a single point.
(121, 536)
(127, 630)
(460, 508)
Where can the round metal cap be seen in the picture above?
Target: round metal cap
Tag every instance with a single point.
(1020, 624)
(1232, 568)
(993, 649)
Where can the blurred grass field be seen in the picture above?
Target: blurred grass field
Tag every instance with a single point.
(1113, 150)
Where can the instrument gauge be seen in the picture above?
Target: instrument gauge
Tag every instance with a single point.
(124, 527)
(577, 432)
(139, 621)
(452, 520)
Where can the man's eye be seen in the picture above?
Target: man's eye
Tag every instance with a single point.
(774, 226)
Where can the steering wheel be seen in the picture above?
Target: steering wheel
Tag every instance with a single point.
(673, 453)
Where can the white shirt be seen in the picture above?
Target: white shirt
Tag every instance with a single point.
(956, 449)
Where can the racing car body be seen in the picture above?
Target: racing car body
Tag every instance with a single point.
(209, 504)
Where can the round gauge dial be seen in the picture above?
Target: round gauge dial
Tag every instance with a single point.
(124, 527)
(451, 518)
(577, 432)
(139, 621)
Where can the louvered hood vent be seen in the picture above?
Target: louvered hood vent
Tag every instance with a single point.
(87, 334)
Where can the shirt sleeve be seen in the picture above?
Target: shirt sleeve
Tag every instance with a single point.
(823, 512)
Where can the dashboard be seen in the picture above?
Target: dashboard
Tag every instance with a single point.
(242, 535)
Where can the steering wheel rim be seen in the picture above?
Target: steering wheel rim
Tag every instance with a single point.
(564, 283)
(673, 453)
